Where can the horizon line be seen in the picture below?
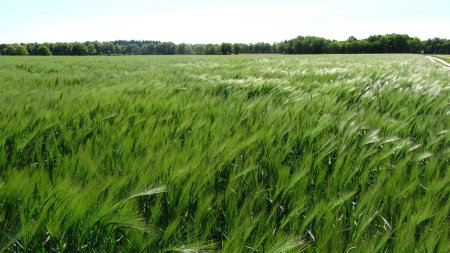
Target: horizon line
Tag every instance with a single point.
(205, 43)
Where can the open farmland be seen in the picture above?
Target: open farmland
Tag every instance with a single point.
(445, 58)
(340, 153)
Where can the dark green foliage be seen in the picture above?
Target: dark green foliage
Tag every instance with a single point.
(78, 49)
(237, 48)
(59, 48)
(437, 46)
(2, 46)
(184, 48)
(132, 49)
(212, 49)
(43, 50)
(226, 48)
(14, 50)
(390, 43)
(166, 48)
(91, 49)
(149, 49)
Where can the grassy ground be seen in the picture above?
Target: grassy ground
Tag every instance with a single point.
(445, 58)
(224, 153)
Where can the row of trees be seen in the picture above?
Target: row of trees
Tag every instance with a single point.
(390, 43)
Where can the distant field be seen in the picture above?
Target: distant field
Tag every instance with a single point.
(444, 57)
(265, 153)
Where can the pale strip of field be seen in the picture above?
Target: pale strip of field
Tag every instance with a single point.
(437, 60)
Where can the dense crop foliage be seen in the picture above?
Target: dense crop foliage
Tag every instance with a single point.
(231, 154)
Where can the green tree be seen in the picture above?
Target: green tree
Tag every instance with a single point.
(132, 49)
(118, 49)
(436, 46)
(166, 48)
(396, 43)
(226, 48)
(281, 48)
(415, 45)
(78, 49)
(199, 49)
(91, 49)
(32, 48)
(237, 49)
(2, 46)
(352, 38)
(184, 48)
(59, 48)
(15, 50)
(43, 50)
(148, 49)
(334, 47)
(262, 48)
(212, 49)
(108, 48)
(446, 46)
(351, 47)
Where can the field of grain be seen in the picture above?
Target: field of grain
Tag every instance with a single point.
(325, 153)
(445, 58)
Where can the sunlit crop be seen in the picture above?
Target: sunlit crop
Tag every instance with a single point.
(327, 153)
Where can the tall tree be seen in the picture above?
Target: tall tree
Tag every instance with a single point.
(59, 48)
(237, 48)
(91, 49)
(184, 48)
(15, 50)
(43, 50)
(226, 48)
(77, 48)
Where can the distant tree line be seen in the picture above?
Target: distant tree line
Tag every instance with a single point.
(390, 43)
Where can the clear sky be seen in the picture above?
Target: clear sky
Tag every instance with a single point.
(215, 21)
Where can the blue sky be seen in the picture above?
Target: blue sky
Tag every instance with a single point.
(202, 21)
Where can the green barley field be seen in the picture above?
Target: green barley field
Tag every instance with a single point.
(248, 153)
(444, 58)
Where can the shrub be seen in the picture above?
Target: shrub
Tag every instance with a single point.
(43, 50)
(15, 50)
